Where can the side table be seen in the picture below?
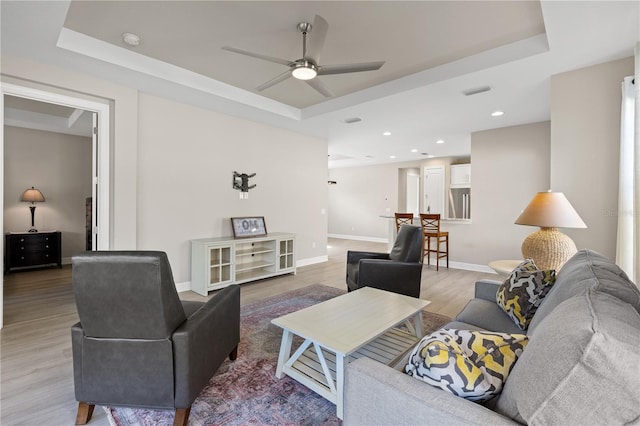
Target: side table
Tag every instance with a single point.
(30, 249)
(504, 267)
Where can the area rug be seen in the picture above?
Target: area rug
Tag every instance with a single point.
(245, 392)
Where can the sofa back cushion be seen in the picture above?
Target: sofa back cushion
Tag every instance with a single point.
(581, 364)
(408, 244)
(586, 270)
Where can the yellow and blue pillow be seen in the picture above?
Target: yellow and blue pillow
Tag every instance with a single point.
(470, 364)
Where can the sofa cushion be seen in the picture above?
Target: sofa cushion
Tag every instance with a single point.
(469, 364)
(523, 291)
(581, 364)
(587, 269)
(488, 315)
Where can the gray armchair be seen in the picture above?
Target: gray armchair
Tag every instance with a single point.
(137, 344)
(399, 271)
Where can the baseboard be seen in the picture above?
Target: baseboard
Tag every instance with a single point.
(464, 266)
(469, 267)
(359, 238)
(184, 286)
(311, 261)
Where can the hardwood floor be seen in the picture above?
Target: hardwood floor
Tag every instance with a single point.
(36, 385)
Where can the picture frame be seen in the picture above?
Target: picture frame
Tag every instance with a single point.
(250, 226)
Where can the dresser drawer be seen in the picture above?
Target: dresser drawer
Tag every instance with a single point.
(32, 249)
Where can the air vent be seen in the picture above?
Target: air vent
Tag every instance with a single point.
(475, 91)
(352, 120)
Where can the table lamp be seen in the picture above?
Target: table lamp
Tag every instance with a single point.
(33, 196)
(548, 247)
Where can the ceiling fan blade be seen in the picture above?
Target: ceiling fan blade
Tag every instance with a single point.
(316, 39)
(346, 68)
(320, 87)
(277, 79)
(258, 55)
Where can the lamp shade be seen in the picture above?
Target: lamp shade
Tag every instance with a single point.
(32, 195)
(550, 210)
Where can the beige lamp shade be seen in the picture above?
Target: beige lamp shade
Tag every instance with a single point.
(550, 210)
(548, 247)
(32, 195)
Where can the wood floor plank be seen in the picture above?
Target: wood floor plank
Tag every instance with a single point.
(36, 385)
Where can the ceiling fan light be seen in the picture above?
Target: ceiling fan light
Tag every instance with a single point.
(304, 72)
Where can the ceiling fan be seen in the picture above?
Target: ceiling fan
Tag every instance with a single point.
(308, 67)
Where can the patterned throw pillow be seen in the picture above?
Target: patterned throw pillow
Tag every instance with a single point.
(470, 364)
(521, 294)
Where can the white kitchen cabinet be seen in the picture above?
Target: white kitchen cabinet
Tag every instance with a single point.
(460, 175)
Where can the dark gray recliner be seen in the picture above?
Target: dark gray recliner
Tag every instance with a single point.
(137, 344)
(399, 271)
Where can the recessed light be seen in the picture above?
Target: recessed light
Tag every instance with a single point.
(131, 39)
(387, 133)
(497, 113)
(440, 141)
(392, 156)
(414, 150)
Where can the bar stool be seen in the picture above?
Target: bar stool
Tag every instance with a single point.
(403, 219)
(431, 229)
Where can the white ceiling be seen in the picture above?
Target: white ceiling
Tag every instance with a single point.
(31, 114)
(433, 52)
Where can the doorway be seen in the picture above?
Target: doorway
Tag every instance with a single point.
(99, 177)
(434, 190)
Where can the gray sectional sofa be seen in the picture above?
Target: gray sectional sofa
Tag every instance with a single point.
(580, 367)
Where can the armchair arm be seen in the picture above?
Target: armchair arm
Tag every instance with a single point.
(202, 343)
(487, 289)
(398, 277)
(355, 256)
(377, 394)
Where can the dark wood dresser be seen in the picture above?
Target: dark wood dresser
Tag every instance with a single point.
(31, 249)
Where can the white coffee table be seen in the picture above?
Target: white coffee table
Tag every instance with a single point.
(342, 329)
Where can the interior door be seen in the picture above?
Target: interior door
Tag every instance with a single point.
(434, 190)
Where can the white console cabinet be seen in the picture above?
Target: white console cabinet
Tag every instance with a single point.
(219, 262)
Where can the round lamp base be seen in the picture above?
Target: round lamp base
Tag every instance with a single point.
(549, 248)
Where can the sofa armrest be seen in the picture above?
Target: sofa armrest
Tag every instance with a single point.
(487, 289)
(390, 275)
(203, 342)
(354, 257)
(375, 394)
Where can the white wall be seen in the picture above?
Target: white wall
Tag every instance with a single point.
(186, 159)
(509, 166)
(59, 166)
(361, 195)
(585, 148)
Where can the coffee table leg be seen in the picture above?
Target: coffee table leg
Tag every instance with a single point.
(285, 352)
(340, 386)
(417, 319)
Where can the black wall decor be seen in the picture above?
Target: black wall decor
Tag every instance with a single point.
(241, 181)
